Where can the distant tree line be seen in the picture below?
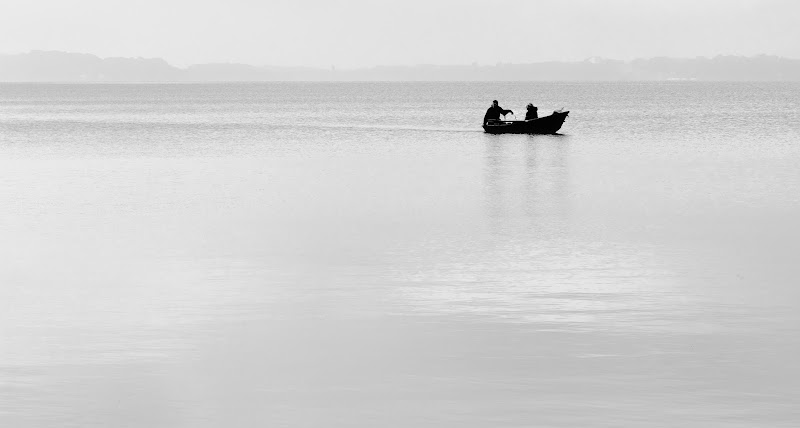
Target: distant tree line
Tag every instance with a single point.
(50, 66)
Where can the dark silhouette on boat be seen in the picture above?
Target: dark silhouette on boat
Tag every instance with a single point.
(543, 125)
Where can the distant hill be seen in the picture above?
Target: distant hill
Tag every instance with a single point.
(41, 66)
(50, 66)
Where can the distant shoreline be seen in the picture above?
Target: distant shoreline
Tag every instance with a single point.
(63, 67)
(261, 82)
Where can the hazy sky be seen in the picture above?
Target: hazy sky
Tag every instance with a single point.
(371, 32)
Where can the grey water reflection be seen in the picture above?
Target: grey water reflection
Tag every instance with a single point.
(527, 183)
(216, 273)
(533, 264)
(546, 181)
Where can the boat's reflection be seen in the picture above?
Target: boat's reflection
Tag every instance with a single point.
(527, 181)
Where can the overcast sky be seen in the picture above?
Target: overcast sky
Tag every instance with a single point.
(371, 32)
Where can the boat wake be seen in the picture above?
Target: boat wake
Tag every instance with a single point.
(384, 128)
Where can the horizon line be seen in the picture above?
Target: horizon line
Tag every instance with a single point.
(334, 67)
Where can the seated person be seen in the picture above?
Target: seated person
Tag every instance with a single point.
(532, 112)
(494, 112)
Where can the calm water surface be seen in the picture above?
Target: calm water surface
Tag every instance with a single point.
(362, 255)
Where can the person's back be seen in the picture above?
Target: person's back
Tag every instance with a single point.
(533, 112)
(494, 112)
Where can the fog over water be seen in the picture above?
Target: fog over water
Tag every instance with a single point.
(362, 254)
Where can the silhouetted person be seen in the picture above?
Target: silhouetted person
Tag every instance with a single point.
(533, 112)
(494, 112)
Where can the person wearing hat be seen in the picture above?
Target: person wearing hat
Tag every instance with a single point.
(494, 112)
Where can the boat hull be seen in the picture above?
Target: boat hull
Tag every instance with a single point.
(543, 125)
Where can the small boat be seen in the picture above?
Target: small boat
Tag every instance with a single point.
(543, 125)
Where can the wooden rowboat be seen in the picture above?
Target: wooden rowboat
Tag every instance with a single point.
(543, 125)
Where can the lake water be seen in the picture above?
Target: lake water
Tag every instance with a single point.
(363, 255)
